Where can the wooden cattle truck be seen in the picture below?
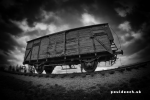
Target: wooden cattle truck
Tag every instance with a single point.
(84, 45)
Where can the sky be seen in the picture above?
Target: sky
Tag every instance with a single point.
(24, 20)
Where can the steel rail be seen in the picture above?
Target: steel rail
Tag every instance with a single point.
(84, 74)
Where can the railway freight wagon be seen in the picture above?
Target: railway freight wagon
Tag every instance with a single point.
(85, 45)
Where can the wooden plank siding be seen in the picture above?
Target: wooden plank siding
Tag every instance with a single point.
(35, 49)
(43, 48)
(34, 53)
(56, 45)
(104, 39)
(71, 42)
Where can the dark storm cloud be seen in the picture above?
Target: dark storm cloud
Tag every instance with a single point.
(69, 16)
(30, 9)
(99, 8)
(70, 12)
(32, 33)
(140, 14)
(16, 10)
(128, 38)
(36, 33)
(139, 19)
(3, 57)
(7, 42)
(8, 30)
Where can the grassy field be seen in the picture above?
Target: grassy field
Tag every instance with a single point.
(16, 89)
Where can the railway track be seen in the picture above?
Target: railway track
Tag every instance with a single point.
(85, 74)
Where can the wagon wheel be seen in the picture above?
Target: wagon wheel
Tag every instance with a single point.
(89, 66)
(49, 69)
(39, 69)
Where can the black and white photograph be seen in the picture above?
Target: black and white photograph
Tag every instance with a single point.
(74, 49)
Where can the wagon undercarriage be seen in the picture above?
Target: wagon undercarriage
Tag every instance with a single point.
(88, 62)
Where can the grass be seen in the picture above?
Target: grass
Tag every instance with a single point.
(15, 89)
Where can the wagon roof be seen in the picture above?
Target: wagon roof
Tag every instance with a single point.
(69, 30)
